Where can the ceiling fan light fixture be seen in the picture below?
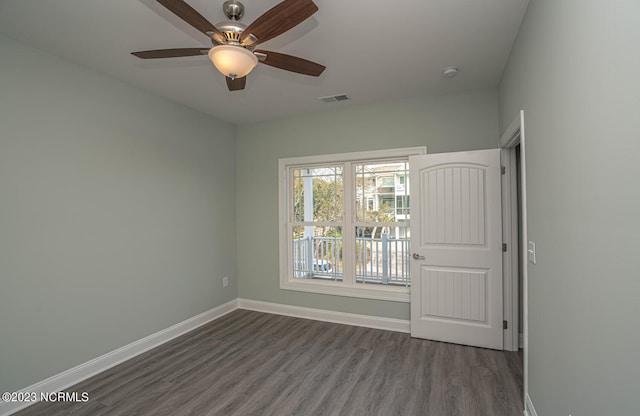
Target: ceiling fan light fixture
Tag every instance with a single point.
(233, 61)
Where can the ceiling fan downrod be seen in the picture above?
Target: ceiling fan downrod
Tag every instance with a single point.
(234, 10)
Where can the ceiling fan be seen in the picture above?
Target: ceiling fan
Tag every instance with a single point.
(234, 51)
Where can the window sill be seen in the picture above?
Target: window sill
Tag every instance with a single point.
(394, 294)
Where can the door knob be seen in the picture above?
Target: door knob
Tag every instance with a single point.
(417, 256)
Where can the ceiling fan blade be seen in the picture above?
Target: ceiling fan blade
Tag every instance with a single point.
(236, 84)
(290, 63)
(170, 53)
(278, 20)
(191, 16)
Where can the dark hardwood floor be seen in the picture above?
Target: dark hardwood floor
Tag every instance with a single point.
(251, 363)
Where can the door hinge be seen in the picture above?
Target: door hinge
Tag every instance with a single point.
(505, 325)
(503, 170)
(504, 247)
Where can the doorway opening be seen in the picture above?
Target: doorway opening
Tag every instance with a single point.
(512, 145)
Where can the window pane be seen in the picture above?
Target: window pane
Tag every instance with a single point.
(382, 255)
(317, 253)
(318, 194)
(378, 188)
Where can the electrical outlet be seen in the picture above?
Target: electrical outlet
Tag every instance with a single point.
(225, 281)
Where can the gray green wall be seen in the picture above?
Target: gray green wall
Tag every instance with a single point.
(574, 69)
(117, 214)
(465, 121)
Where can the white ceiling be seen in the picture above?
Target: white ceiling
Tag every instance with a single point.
(373, 50)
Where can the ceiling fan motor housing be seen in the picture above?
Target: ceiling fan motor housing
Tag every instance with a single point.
(231, 29)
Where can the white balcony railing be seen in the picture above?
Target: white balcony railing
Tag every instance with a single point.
(378, 260)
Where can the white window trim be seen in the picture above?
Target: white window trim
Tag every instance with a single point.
(396, 294)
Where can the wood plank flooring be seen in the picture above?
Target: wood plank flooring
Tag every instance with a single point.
(249, 363)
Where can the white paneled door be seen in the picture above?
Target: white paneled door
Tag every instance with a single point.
(456, 246)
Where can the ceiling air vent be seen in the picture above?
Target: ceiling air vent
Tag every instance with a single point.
(334, 98)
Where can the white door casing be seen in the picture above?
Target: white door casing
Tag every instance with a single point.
(456, 245)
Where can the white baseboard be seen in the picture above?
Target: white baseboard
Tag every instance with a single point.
(73, 376)
(377, 322)
(529, 410)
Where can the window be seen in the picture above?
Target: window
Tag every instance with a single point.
(344, 228)
(402, 206)
(370, 204)
(387, 182)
